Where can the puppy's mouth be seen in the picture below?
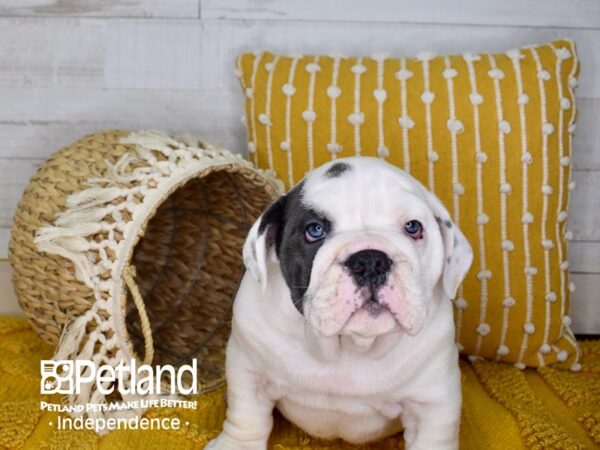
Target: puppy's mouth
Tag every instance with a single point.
(367, 323)
(373, 306)
(371, 317)
(372, 303)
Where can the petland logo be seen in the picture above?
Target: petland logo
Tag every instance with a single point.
(68, 377)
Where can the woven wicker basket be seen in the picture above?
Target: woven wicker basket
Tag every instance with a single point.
(129, 246)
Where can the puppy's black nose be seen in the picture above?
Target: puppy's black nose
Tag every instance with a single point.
(369, 267)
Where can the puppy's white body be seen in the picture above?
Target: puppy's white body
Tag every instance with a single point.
(340, 370)
(358, 397)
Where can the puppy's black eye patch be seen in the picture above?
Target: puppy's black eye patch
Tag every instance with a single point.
(296, 254)
(337, 170)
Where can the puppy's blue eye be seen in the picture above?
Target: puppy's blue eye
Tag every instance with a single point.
(314, 231)
(414, 229)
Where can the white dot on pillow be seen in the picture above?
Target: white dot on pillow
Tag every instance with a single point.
(526, 158)
(427, 97)
(502, 350)
(527, 218)
(531, 271)
(334, 147)
(426, 56)
(471, 57)
(515, 53)
(356, 118)
(312, 67)
(523, 99)
(483, 329)
(547, 128)
(504, 127)
(460, 303)
(455, 125)
(561, 216)
(481, 157)
(544, 75)
(383, 151)
(508, 302)
(458, 189)
(404, 74)
(573, 82)
(288, 89)
(264, 119)
(563, 53)
(432, 156)
(548, 244)
(476, 98)
(357, 69)
(380, 95)
(333, 91)
(380, 56)
(449, 73)
(406, 122)
(547, 189)
(484, 275)
(496, 74)
(309, 115)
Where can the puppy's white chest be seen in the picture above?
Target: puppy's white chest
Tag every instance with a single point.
(353, 418)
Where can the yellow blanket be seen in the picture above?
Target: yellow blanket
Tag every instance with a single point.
(503, 408)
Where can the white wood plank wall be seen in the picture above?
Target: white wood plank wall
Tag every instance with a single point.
(71, 67)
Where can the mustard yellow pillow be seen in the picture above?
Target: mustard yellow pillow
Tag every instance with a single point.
(490, 134)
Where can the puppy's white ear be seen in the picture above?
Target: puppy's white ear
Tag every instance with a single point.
(458, 254)
(260, 245)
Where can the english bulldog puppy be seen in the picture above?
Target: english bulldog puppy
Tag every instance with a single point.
(343, 320)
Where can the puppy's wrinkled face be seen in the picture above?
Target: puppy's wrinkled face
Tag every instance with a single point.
(361, 246)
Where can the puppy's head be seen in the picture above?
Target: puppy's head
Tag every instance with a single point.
(362, 246)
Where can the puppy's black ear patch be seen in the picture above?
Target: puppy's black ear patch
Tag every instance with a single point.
(274, 218)
(272, 221)
(337, 170)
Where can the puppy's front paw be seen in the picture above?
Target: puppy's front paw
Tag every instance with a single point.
(226, 442)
